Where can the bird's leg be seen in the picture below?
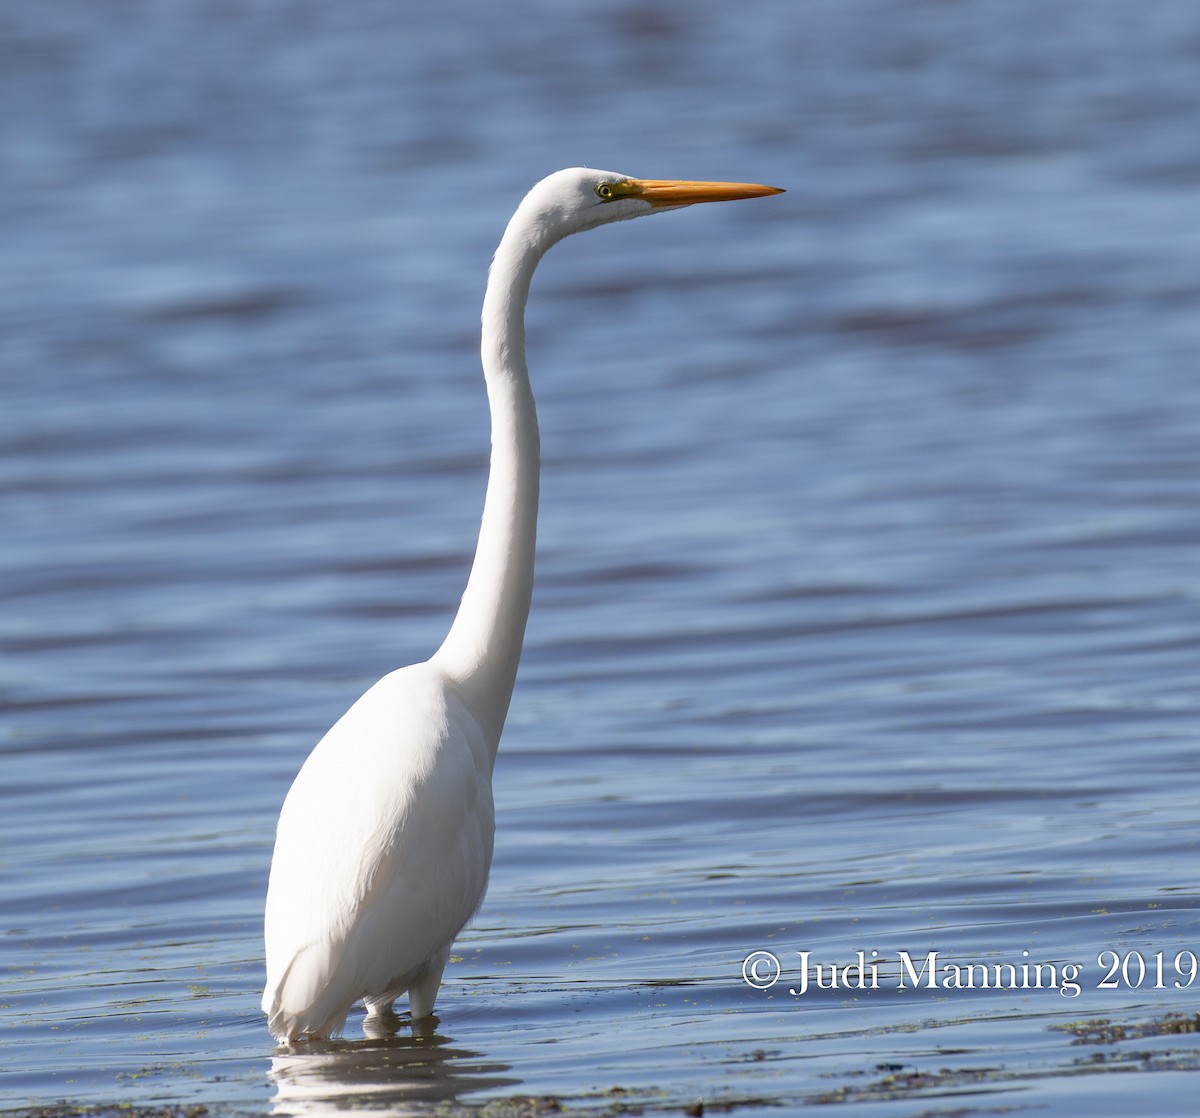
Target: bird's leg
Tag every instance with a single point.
(377, 1007)
(424, 989)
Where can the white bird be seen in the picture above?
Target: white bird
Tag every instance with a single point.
(385, 839)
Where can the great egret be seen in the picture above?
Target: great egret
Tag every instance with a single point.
(385, 839)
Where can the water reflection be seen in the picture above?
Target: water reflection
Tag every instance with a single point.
(396, 1073)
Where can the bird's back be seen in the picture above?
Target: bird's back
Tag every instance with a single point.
(382, 852)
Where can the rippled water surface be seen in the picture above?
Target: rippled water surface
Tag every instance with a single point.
(868, 604)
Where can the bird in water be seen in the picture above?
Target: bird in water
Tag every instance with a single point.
(384, 842)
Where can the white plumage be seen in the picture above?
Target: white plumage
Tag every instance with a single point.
(385, 838)
(373, 890)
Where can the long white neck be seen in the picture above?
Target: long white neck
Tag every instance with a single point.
(483, 648)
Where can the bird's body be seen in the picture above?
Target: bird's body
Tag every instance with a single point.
(385, 839)
(404, 780)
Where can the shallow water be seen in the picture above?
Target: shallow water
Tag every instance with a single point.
(867, 607)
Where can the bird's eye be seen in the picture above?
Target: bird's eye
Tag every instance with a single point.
(604, 191)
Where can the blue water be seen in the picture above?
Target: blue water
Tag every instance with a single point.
(868, 605)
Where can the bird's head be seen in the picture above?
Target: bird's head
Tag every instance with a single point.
(580, 198)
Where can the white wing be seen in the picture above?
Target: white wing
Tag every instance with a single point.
(382, 852)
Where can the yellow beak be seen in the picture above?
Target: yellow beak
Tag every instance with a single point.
(676, 192)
